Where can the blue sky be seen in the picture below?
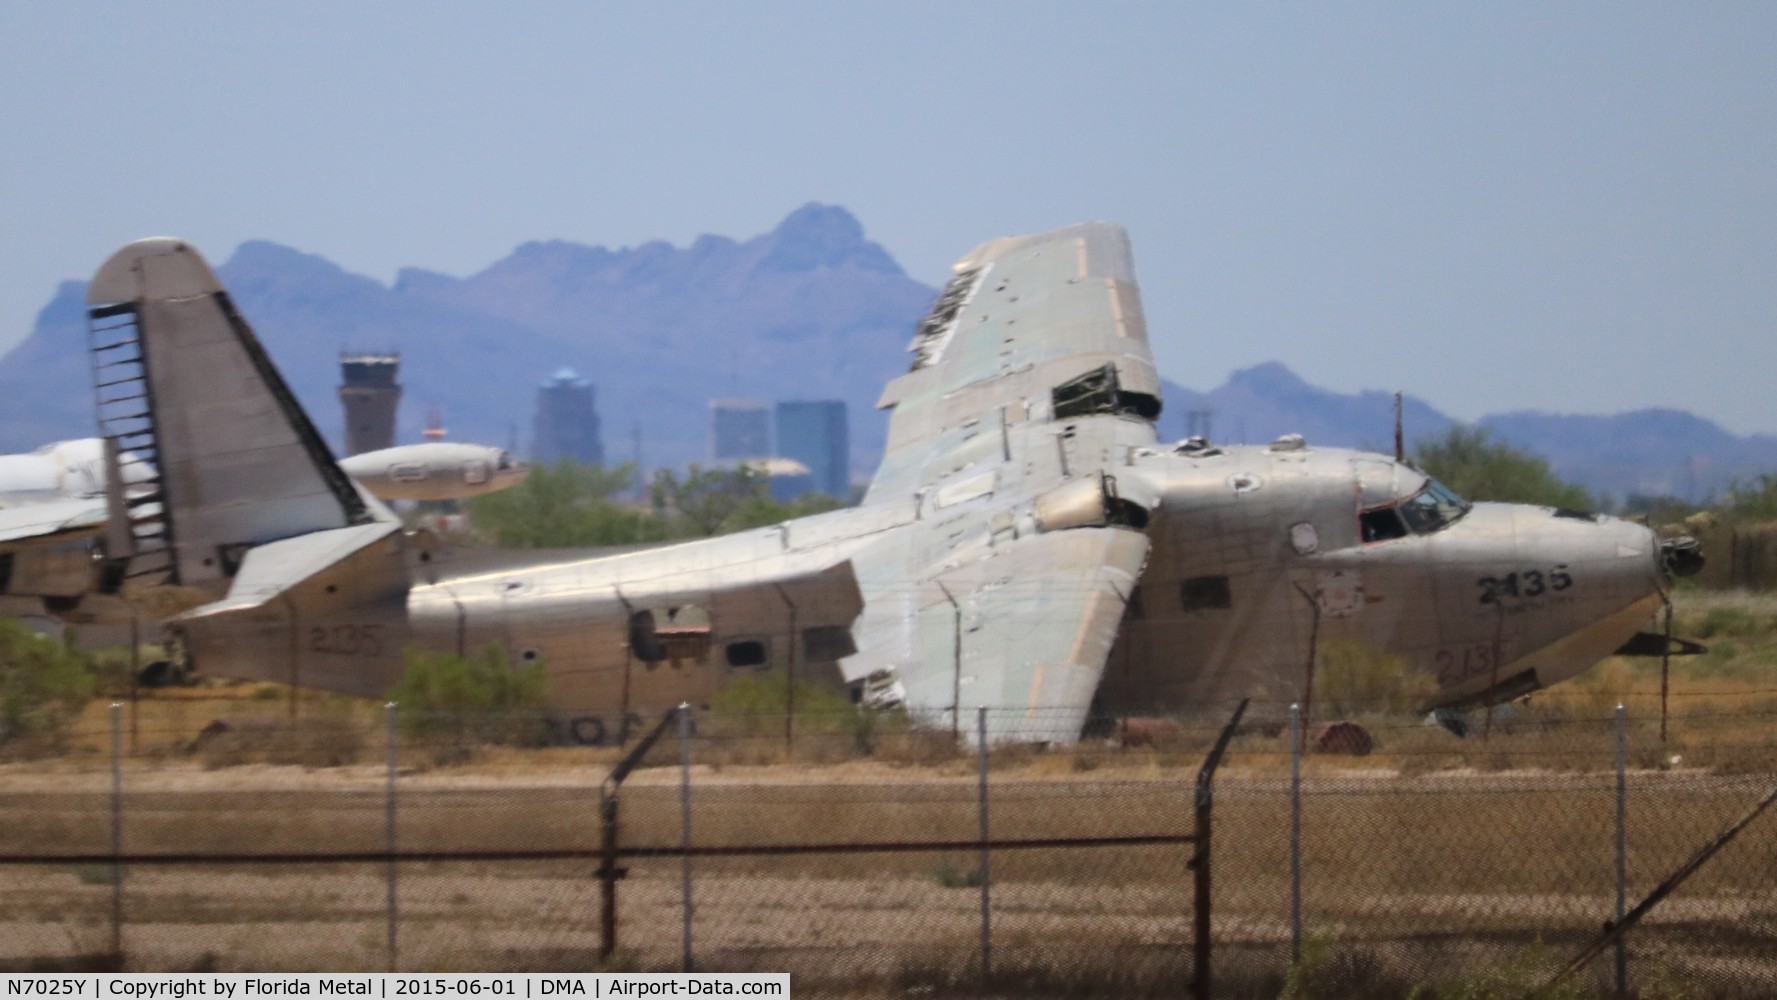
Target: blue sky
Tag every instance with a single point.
(1568, 207)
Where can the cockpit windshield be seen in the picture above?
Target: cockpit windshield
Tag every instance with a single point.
(1433, 508)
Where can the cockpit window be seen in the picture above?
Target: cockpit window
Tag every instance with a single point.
(1433, 508)
(506, 462)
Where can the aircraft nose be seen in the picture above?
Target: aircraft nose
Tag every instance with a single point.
(1624, 558)
(1581, 586)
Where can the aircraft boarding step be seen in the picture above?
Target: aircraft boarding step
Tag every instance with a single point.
(126, 418)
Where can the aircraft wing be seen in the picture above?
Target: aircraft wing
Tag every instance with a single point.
(1022, 317)
(49, 522)
(1031, 386)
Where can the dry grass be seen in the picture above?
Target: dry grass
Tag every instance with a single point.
(1721, 709)
(1432, 859)
(1417, 876)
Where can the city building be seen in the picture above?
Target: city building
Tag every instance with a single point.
(370, 394)
(814, 433)
(567, 421)
(740, 429)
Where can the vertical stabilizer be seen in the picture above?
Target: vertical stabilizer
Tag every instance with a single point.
(182, 382)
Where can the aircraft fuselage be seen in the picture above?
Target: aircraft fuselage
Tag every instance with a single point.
(1259, 561)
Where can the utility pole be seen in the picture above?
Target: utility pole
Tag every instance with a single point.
(1400, 451)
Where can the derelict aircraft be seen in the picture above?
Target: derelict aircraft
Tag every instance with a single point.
(52, 504)
(1027, 544)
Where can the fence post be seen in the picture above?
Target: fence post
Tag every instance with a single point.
(608, 871)
(1201, 978)
(789, 674)
(986, 858)
(389, 842)
(1295, 834)
(117, 832)
(685, 824)
(1622, 848)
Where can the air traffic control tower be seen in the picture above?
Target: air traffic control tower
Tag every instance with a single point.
(370, 394)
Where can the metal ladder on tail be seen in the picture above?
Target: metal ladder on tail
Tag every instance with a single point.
(122, 399)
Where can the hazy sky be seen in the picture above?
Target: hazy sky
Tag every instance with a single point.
(1568, 207)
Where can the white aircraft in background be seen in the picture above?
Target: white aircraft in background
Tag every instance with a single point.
(57, 493)
(64, 470)
(434, 470)
(53, 507)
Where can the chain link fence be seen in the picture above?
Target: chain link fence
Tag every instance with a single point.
(847, 851)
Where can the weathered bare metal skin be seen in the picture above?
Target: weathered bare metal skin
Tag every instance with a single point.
(1027, 544)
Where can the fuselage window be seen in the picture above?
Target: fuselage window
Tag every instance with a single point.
(747, 653)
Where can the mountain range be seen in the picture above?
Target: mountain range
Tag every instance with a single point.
(810, 310)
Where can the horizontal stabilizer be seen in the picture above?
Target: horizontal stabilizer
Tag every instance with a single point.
(273, 569)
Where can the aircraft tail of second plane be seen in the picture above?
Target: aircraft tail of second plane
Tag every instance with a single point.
(182, 382)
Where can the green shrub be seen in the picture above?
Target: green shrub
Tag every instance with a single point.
(759, 703)
(1523, 977)
(451, 704)
(751, 707)
(1468, 461)
(43, 688)
(1353, 678)
(113, 676)
(952, 877)
(1722, 652)
(1724, 619)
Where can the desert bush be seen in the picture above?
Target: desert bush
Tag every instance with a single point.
(952, 876)
(43, 687)
(450, 704)
(753, 709)
(1521, 978)
(1471, 463)
(1354, 679)
(110, 667)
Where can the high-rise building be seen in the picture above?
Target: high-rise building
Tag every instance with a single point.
(370, 394)
(740, 429)
(567, 421)
(813, 432)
